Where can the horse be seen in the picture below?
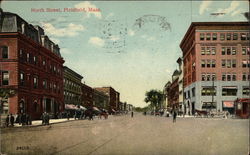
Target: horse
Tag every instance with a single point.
(104, 114)
(88, 113)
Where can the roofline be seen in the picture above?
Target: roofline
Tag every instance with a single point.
(194, 24)
(78, 75)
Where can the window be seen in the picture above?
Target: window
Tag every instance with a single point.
(208, 51)
(228, 36)
(214, 36)
(213, 77)
(246, 90)
(228, 77)
(202, 36)
(35, 82)
(229, 91)
(233, 51)
(5, 52)
(228, 51)
(234, 77)
(223, 51)
(244, 63)
(208, 91)
(202, 50)
(193, 92)
(203, 63)
(203, 77)
(27, 57)
(223, 78)
(235, 36)
(213, 50)
(22, 79)
(208, 77)
(244, 77)
(223, 63)
(208, 63)
(45, 84)
(248, 36)
(208, 36)
(228, 63)
(244, 50)
(213, 63)
(5, 78)
(35, 60)
(233, 63)
(222, 36)
(243, 36)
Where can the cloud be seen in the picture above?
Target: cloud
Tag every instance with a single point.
(204, 6)
(66, 51)
(148, 38)
(70, 31)
(231, 9)
(96, 41)
(131, 32)
(88, 5)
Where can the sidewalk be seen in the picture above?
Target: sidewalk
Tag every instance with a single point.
(51, 121)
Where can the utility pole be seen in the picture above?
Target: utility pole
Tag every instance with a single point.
(212, 93)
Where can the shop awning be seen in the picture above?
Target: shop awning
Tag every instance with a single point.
(70, 107)
(83, 108)
(228, 104)
(96, 109)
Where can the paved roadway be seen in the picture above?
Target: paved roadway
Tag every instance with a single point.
(122, 135)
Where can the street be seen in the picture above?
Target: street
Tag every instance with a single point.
(140, 135)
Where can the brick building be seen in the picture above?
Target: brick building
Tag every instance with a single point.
(72, 86)
(100, 100)
(216, 64)
(30, 64)
(87, 96)
(114, 97)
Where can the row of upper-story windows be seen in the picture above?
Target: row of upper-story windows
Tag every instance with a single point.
(208, 77)
(224, 77)
(224, 36)
(53, 86)
(71, 96)
(206, 50)
(33, 59)
(225, 63)
(208, 63)
(71, 85)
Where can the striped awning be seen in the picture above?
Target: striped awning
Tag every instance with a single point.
(228, 104)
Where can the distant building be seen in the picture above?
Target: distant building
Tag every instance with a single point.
(216, 65)
(114, 97)
(165, 94)
(101, 100)
(173, 91)
(72, 87)
(182, 106)
(30, 64)
(87, 96)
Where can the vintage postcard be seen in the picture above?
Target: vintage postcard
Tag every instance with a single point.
(124, 77)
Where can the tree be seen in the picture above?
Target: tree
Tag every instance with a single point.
(154, 97)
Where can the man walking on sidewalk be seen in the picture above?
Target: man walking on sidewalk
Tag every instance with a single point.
(12, 119)
(174, 116)
(7, 121)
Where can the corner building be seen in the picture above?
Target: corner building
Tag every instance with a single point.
(216, 65)
(32, 66)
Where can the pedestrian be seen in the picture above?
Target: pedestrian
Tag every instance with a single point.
(43, 118)
(23, 119)
(132, 114)
(174, 116)
(12, 119)
(47, 118)
(68, 115)
(27, 119)
(7, 121)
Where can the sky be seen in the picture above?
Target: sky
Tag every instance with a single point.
(132, 46)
